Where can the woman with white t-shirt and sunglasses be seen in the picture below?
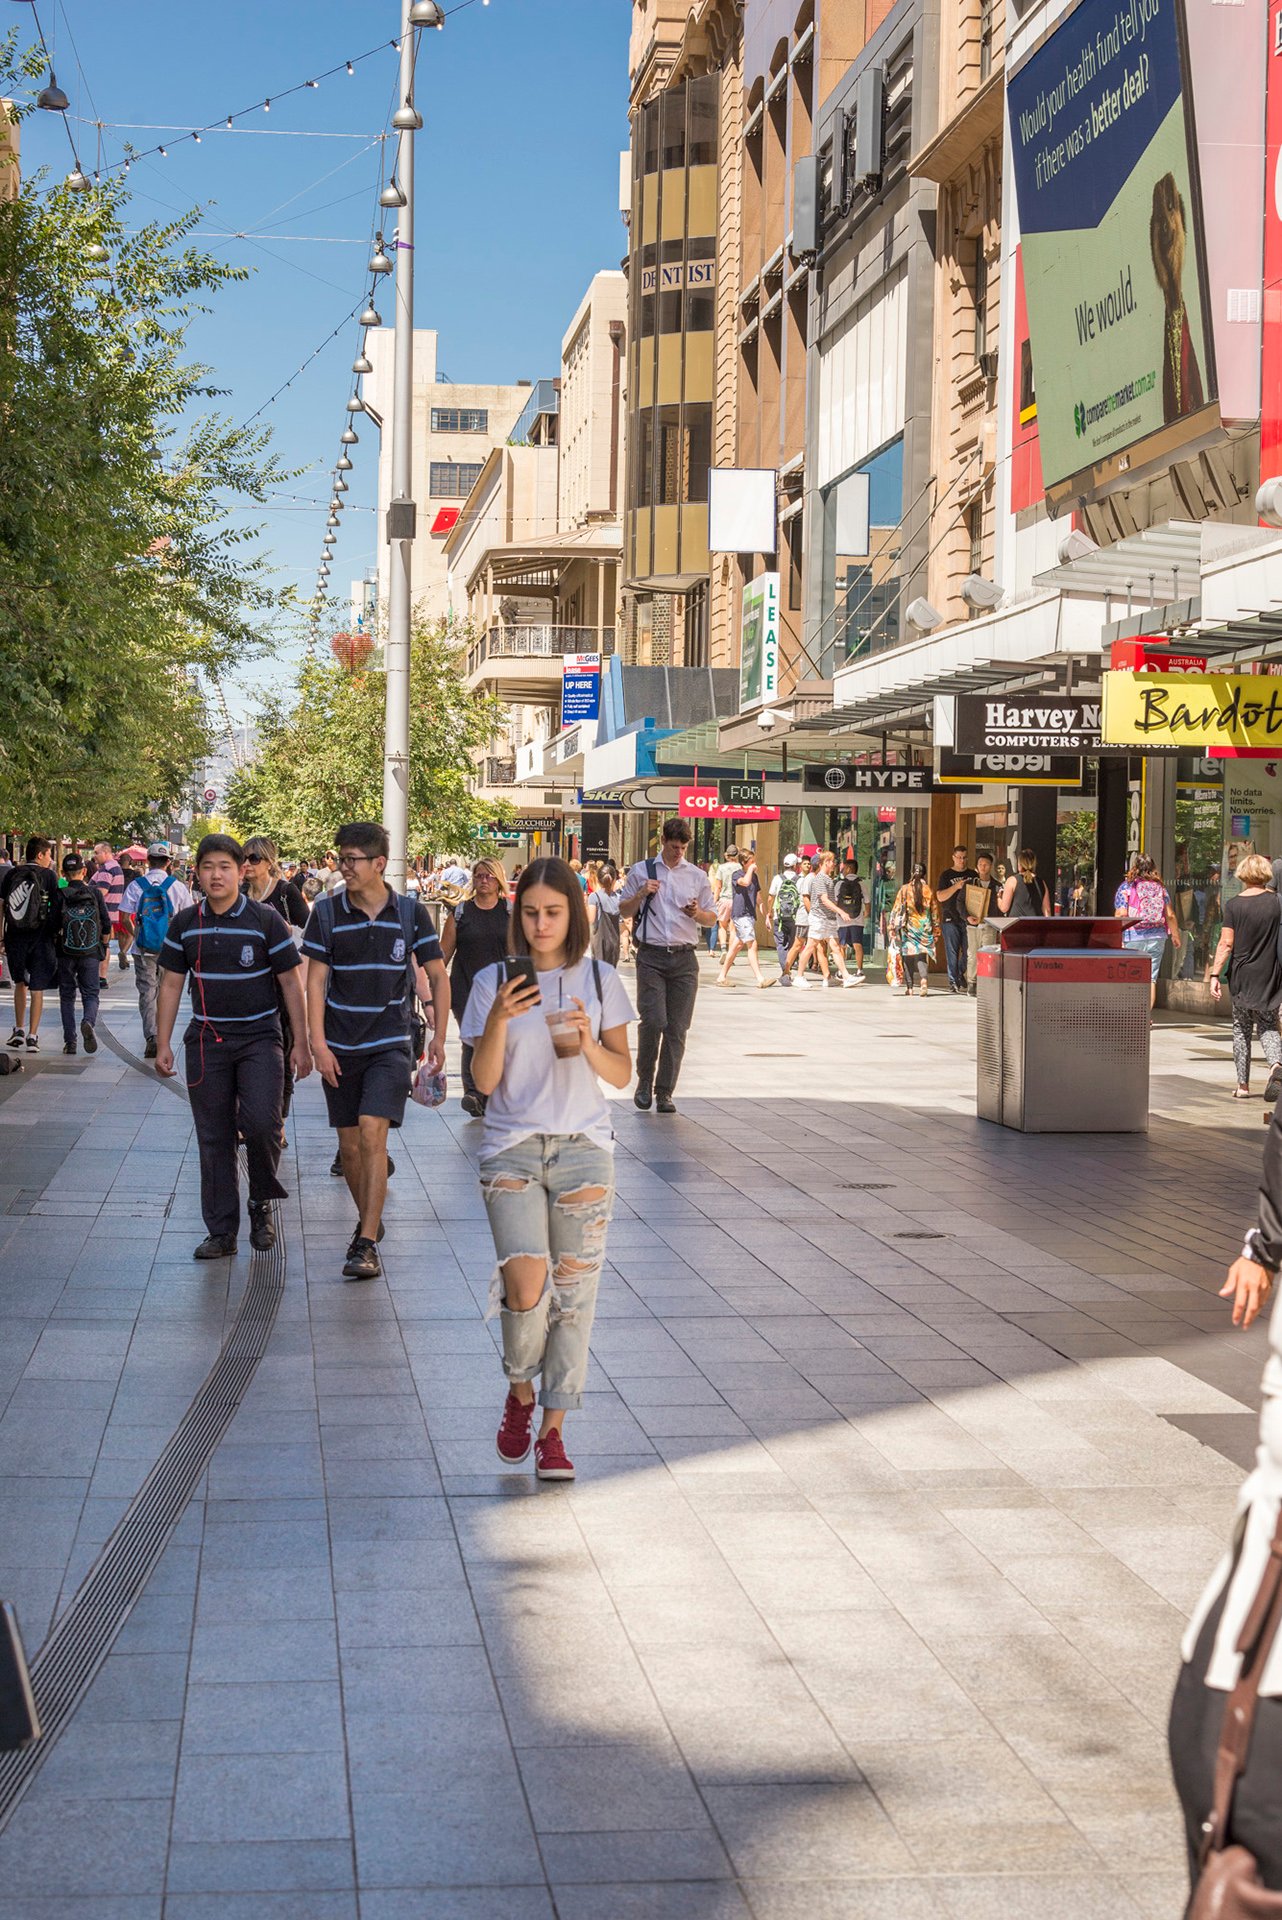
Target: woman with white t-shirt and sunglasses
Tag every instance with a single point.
(540, 1054)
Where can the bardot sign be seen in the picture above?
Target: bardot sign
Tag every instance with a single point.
(1056, 723)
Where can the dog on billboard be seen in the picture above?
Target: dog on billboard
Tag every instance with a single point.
(1168, 238)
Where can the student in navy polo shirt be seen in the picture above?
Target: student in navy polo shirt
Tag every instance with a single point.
(369, 949)
(236, 952)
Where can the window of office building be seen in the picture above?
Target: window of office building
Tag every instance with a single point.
(453, 479)
(460, 419)
(980, 281)
(859, 606)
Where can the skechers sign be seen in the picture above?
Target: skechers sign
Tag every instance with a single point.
(1110, 219)
(1054, 723)
(844, 779)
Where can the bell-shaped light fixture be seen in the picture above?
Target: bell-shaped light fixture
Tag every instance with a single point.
(344, 465)
(427, 13)
(380, 263)
(362, 364)
(349, 437)
(407, 119)
(340, 485)
(391, 196)
(77, 181)
(371, 316)
(332, 521)
(355, 404)
(53, 99)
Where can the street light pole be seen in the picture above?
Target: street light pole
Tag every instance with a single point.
(401, 512)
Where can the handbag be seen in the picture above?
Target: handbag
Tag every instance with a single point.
(1228, 1882)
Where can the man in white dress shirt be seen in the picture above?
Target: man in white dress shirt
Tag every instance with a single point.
(667, 900)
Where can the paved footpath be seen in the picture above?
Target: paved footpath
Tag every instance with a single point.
(908, 1446)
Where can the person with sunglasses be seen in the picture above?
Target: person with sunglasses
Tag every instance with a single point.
(266, 883)
(369, 951)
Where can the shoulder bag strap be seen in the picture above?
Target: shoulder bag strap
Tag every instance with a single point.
(1259, 1630)
(652, 873)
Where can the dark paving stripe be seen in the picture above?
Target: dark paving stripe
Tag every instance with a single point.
(65, 1667)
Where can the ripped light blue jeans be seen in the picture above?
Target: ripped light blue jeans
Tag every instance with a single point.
(550, 1198)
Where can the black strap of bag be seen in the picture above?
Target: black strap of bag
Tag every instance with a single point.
(652, 873)
(1228, 1884)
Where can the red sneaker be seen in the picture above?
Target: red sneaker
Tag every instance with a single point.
(514, 1430)
(550, 1459)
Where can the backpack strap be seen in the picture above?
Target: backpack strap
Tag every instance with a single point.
(652, 873)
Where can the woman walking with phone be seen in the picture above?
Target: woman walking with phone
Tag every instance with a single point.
(546, 1028)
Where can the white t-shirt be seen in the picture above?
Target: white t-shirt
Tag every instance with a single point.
(539, 1093)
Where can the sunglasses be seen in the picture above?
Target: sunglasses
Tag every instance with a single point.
(254, 859)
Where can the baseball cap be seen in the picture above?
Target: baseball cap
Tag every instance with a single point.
(158, 850)
(790, 859)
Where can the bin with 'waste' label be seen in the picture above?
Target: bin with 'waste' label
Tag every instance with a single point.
(1063, 1029)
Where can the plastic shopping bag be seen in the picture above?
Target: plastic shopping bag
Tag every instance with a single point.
(428, 1089)
(894, 965)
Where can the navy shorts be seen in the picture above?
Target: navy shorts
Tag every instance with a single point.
(33, 960)
(377, 1084)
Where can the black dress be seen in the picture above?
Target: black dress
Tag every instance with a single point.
(480, 940)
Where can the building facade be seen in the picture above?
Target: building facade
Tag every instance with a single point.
(455, 429)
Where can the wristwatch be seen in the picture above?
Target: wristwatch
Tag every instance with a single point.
(1253, 1249)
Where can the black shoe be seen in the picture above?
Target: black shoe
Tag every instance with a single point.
(665, 1104)
(336, 1166)
(355, 1240)
(362, 1263)
(471, 1105)
(262, 1228)
(33, 1043)
(90, 1039)
(15, 1038)
(643, 1099)
(149, 1051)
(68, 1046)
(1273, 1087)
(218, 1246)
(391, 1166)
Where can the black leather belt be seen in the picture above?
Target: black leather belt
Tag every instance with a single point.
(656, 946)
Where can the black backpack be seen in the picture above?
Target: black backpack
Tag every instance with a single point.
(81, 930)
(27, 903)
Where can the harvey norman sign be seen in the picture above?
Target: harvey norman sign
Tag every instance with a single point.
(1192, 711)
(1045, 723)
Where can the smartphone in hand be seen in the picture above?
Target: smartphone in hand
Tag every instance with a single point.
(522, 968)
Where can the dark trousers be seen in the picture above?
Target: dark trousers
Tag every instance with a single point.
(469, 1085)
(785, 932)
(78, 972)
(667, 982)
(955, 949)
(236, 1086)
(1197, 1714)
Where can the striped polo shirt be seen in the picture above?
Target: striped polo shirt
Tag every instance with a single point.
(233, 959)
(110, 882)
(367, 1005)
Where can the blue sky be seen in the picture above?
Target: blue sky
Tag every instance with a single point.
(525, 104)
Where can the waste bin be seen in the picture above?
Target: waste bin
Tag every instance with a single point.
(1063, 1029)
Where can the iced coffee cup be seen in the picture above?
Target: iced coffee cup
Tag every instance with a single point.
(567, 1041)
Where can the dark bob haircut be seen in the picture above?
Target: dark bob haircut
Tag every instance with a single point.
(561, 877)
(220, 843)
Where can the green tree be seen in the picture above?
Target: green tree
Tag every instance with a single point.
(122, 578)
(320, 759)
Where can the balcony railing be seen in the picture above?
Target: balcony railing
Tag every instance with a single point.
(537, 643)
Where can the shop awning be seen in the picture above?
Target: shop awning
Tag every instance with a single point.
(1005, 648)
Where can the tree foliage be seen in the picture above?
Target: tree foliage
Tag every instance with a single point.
(122, 579)
(320, 759)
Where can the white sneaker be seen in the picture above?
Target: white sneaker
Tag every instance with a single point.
(853, 980)
(802, 983)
